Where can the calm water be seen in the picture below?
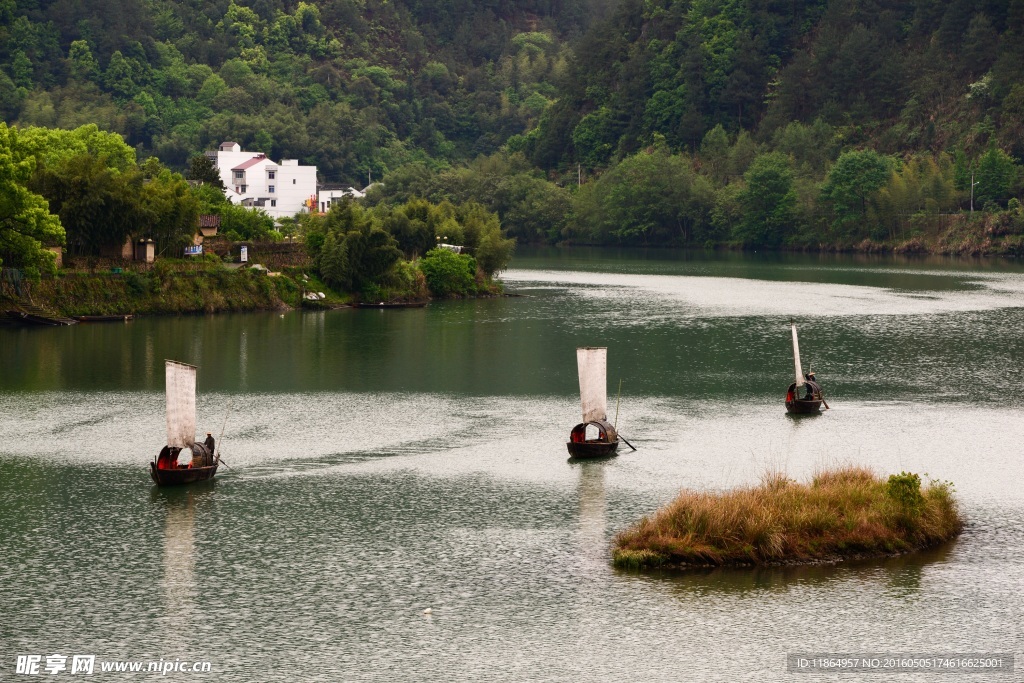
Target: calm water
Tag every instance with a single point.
(387, 462)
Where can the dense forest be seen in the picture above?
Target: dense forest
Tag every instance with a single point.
(806, 124)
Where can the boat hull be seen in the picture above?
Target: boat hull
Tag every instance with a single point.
(181, 475)
(591, 449)
(803, 407)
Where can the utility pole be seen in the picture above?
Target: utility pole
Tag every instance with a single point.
(972, 192)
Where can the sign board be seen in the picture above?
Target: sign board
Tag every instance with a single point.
(245, 255)
(194, 250)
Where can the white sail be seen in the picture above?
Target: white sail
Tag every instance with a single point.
(796, 359)
(592, 364)
(181, 404)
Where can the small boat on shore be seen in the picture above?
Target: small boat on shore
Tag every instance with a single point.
(104, 318)
(804, 396)
(595, 437)
(181, 430)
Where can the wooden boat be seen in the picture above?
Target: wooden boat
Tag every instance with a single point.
(804, 396)
(181, 430)
(104, 318)
(594, 437)
(603, 443)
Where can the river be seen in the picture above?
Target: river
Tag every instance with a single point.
(383, 463)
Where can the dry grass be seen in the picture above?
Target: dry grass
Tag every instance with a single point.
(841, 514)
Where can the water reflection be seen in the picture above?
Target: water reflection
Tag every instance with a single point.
(592, 517)
(180, 582)
(899, 577)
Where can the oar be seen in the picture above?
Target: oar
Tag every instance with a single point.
(825, 403)
(616, 425)
(222, 428)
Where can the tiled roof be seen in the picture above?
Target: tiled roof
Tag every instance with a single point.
(209, 220)
(252, 162)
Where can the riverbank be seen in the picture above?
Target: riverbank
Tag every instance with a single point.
(173, 287)
(983, 234)
(847, 513)
(168, 288)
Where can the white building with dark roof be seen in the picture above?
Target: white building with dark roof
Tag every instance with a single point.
(251, 179)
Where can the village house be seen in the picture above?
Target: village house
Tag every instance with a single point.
(329, 194)
(251, 179)
(207, 225)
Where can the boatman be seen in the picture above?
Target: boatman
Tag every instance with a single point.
(209, 443)
(812, 384)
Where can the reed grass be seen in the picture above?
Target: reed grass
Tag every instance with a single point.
(844, 513)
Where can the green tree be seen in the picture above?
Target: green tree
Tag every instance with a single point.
(414, 226)
(920, 185)
(768, 201)
(82, 64)
(995, 175)
(595, 137)
(447, 273)
(851, 183)
(97, 205)
(171, 211)
(355, 252)
(118, 77)
(51, 146)
(483, 237)
(242, 223)
(201, 169)
(651, 197)
(26, 225)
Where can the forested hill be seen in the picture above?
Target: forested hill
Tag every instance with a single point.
(799, 123)
(362, 86)
(918, 75)
(354, 86)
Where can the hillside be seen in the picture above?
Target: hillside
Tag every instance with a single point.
(903, 76)
(821, 124)
(353, 86)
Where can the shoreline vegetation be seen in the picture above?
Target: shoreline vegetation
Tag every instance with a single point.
(841, 514)
(207, 285)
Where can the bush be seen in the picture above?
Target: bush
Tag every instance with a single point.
(905, 489)
(137, 284)
(449, 274)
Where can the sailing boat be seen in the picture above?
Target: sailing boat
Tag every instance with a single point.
(594, 437)
(804, 395)
(181, 432)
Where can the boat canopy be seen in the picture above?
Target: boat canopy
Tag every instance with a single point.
(811, 386)
(181, 404)
(592, 363)
(605, 431)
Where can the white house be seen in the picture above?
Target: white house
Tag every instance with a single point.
(329, 195)
(251, 179)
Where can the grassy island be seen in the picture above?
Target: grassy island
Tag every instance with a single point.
(842, 514)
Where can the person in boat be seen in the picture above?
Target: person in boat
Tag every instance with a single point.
(811, 385)
(209, 442)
